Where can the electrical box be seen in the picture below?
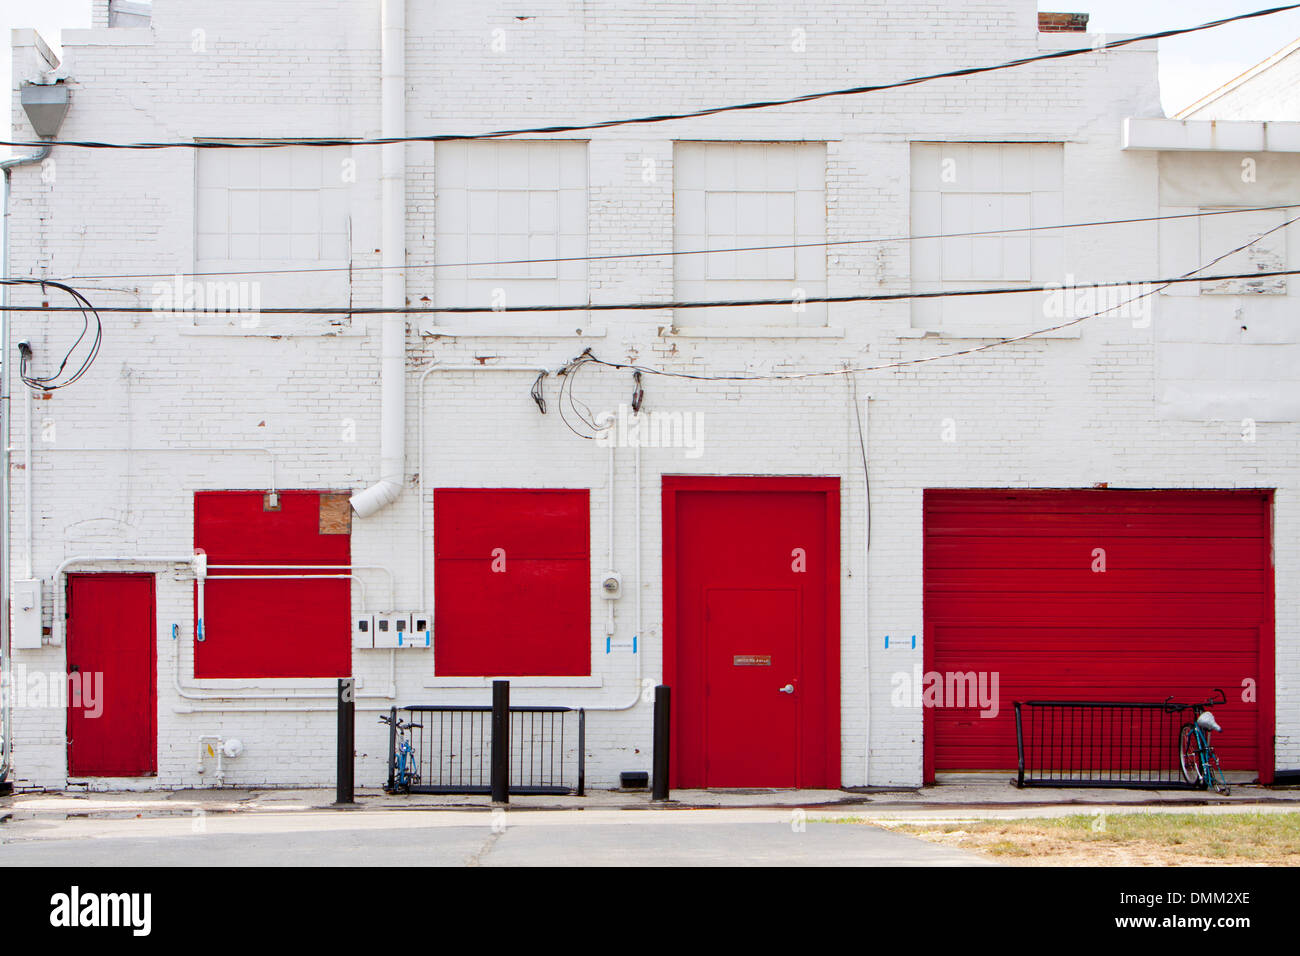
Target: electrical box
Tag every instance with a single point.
(421, 633)
(363, 630)
(26, 620)
(391, 627)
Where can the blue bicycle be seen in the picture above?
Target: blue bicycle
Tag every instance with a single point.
(1196, 756)
(406, 766)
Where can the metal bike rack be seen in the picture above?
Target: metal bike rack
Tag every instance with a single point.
(1073, 743)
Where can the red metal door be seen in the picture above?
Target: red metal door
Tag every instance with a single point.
(751, 571)
(1098, 595)
(752, 714)
(112, 699)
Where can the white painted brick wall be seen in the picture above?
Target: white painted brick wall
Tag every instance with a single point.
(1065, 412)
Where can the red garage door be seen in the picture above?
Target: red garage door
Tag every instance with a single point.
(1098, 595)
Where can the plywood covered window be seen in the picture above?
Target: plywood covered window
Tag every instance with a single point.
(986, 200)
(768, 199)
(511, 229)
(512, 582)
(271, 622)
(260, 214)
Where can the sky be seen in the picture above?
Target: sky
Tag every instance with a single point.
(1190, 66)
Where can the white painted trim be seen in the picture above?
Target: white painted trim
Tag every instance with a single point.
(1235, 136)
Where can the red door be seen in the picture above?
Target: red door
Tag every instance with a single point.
(751, 622)
(1110, 595)
(752, 651)
(112, 694)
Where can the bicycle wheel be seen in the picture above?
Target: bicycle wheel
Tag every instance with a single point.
(1217, 779)
(1189, 755)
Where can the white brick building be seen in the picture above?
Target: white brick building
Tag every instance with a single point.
(1193, 388)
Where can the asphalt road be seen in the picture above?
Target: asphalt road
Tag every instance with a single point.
(397, 838)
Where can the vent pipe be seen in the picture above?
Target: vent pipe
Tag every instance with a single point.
(392, 350)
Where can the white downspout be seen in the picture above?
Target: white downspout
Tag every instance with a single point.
(392, 349)
(6, 384)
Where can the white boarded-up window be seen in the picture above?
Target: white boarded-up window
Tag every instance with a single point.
(972, 194)
(1259, 231)
(274, 224)
(767, 199)
(511, 229)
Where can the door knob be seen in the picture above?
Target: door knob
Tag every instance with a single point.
(787, 689)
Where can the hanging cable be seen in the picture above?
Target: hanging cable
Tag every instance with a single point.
(667, 117)
(536, 392)
(89, 319)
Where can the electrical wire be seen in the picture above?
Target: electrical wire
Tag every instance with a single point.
(603, 257)
(687, 304)
(49, 383)
(666, 117)
(849, 370)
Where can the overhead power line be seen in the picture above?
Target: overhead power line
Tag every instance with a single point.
(925, 359)
(665, 117)
(688, 304)
(686, 252)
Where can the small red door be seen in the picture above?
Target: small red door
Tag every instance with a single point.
(112, 693)
(752, 713)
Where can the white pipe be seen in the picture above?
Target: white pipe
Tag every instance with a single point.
(426, 604)
(862, 413)
(6, 382)
(286, 694)
(218, 750)
(609, 539)
(27, 481)
(392, 349)
(56, 635)
(636, 635)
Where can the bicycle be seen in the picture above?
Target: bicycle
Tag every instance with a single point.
(1196, 756)
(405, 769)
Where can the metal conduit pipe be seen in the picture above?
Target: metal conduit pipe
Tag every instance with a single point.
(392, 349)
(425, 601)
(6, 384)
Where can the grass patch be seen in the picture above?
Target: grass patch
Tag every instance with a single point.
(1125, 838)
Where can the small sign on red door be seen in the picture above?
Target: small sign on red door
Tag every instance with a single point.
(752, 660)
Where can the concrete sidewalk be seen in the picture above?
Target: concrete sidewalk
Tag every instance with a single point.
(984, 796)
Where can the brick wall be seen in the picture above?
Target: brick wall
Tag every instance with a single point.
(1052, 412)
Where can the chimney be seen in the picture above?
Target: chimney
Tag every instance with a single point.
(1063, 22)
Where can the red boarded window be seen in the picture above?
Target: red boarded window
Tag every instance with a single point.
(280, 626)
(512, 582)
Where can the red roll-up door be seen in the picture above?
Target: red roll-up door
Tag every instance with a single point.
(1098, 595)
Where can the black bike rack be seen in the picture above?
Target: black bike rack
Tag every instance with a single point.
(452, 750)
(1075, 743)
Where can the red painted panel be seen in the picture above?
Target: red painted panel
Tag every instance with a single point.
(1184, 606)
(112, 697)
(729, 573)
(271, 628)
(512, 582)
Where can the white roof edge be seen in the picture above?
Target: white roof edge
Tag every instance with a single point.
(1239, 80)
(1238, 136)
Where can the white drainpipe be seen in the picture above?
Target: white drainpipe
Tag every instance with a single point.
(392, 369)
